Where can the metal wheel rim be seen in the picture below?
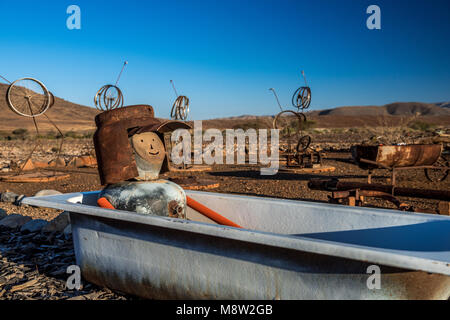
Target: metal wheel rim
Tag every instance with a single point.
(101, 97)
(46, 94)
(302, 98)
(300, 116)
(180, 108)
(445, 172)
(303, 146)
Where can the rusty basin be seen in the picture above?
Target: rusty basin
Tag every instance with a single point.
(397, 156)
(287, 250)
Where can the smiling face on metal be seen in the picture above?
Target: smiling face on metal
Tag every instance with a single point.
(149, 154)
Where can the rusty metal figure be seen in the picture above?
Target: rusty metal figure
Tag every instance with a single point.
(291, 124)
(131, 153)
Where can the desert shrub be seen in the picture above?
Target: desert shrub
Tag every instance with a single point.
(337, 130)
(3, 135)
(308, 124)
(88, 135)
(20, 132)
(250, 125)
(71, 134)
(420, 125)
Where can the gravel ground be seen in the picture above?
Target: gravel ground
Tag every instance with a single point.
(33, 265)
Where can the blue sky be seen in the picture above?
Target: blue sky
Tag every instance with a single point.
(224, 55)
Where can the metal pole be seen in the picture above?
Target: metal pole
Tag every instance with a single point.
(123, 67)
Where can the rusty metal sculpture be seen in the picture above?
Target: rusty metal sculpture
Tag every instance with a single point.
(131, 153)
(109, 96)
(29, 97)
(354, 194)
(297, 153)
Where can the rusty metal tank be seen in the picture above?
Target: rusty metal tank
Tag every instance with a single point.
(397, 156)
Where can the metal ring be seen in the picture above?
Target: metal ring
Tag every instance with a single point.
(41, 110)
(303, 143)
(104, 103)
(300, 116)
(180, 108)
(302, 98)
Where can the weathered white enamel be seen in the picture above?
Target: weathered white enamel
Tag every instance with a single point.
(288, 250)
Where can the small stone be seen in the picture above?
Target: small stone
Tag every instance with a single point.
(3, 214)
(14, 221)
(9, 197)
(33, 225)
(43, 193)
(58, 224)
(68, 231)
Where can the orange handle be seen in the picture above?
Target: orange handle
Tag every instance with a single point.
(104, 203)
(210, 213)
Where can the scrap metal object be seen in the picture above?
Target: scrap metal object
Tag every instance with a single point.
(397, 156)
(403, 157)
(333, 185)
(356, 197)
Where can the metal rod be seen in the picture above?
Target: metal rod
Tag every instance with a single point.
(276, 97)
(173, 86)
(304, 78)
(123, 67)
(5, 79)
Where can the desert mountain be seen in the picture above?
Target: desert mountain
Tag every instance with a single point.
(392, 109)
(69, 116)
